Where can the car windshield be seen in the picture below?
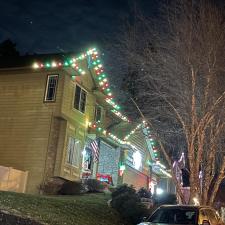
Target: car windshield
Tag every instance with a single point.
(174, 216)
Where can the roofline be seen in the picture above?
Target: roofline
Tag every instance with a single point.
(15, 68)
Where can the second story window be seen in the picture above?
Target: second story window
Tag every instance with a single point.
(98, 113)
(80, 99)
(51, 87)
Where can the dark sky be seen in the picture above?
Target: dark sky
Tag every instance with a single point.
(44, 26)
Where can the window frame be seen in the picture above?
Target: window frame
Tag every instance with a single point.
(82, 90)
(47, 88)
(101, 113)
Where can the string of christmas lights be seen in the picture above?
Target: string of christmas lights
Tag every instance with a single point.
(103, 83)
(94, 62)
(97, 127)
(133, 131)
(157, 162)
(120, 115)
(152, 141)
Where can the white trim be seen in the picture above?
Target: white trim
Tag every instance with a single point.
(47, 87)
(74, 98)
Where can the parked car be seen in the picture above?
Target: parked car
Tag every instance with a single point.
(182, 214)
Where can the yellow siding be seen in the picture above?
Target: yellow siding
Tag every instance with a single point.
(25, 122)
(77, 122)
(34, 134)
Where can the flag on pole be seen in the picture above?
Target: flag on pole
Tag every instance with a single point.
(95, 149)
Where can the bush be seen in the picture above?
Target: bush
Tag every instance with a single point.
(144, 193)
(123, 189)
(128, 204)
(71, 188)
(93, 185)
(111, 188)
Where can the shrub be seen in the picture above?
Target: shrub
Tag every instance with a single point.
(128, 204)
(93, 185)
(111, 188)
(123, 189)
(71, 188)
(144, 193)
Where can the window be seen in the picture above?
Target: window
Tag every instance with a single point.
(87, 158)
(134, 159)
(80, 99)
(73, 150)
(98, 113)
(51, 87)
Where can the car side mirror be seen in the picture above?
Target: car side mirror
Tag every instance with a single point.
(205, 222)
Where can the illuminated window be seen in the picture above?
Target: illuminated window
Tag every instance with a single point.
(137, 160)
(87, 159)
(80, 99)
(51, 87)
(134, 159)
(73, 151)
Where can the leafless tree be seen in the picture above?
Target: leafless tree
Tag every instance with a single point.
(179, 62)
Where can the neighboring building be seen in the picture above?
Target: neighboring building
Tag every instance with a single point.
(46, 118)
(133, 162)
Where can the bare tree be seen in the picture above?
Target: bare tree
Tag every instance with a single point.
(179, 66)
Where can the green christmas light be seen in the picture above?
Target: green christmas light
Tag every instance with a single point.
(66, 63)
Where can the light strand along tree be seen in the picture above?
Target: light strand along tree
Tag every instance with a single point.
(179, 62)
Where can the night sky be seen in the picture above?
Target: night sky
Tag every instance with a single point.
(65, 25)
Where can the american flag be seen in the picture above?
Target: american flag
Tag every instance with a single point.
(95, 149)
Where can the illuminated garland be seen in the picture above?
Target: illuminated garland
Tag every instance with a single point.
(101, 78)
(124, 142)
(71, 62)
(152, 141)
(120, 115)
(94, 62)
(133, 131)
(110, 135)
(104, 84)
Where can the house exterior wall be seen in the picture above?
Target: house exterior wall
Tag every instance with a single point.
(77, 123)
(133, 176)
(25, 122)
(136, 178)
(109, 161)
(34, 134)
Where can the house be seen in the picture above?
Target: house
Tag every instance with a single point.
(130, 156)
(55, 118)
